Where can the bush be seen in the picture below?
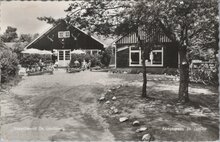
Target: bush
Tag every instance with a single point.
(106, 57)
(205, 74)
(9, 65)
(31, 59)
(95, 59)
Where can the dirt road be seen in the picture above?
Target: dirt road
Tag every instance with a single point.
(56, 107)
(64, 107)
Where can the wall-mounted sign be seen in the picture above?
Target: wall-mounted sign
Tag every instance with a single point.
(63, 34)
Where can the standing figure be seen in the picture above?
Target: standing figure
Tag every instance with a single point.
(76, 63)
(41, 64)
(56, 64)
(84, 64)
(89, 65)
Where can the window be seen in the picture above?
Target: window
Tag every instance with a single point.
(135, 56)
(63, 34)
(67, 55)
(157, 58)
(154, 58)
(60, 55)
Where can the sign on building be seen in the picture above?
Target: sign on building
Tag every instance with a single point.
(63, 34)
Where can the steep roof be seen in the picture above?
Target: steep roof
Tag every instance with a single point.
(78, 39)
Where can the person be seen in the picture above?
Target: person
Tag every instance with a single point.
(89, 65)
(54, 58)
(56, 64)
(41, 64)
(76, 63)
(84, 65)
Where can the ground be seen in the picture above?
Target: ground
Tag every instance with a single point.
(66, 106)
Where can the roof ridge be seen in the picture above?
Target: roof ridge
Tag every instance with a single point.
(90, 35)
(42, 34)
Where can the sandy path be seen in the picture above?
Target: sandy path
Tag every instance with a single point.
(57, 107)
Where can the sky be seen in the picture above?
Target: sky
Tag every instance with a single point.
(23, 14)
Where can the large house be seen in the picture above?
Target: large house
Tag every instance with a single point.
(63, 38)
(162, 54)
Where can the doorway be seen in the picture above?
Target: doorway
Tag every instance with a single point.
(64, 57)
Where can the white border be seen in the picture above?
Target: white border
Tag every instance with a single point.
(140, 60)
(134, 51)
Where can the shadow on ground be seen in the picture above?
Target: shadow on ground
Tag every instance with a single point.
(164, 118)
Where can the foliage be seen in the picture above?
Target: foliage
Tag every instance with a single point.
(205, 73)
(106, 57)
(95, 59)
(8, 63)
(10, 34)
(31, 59)
(190, 25)
(27, 37)
(18, 47)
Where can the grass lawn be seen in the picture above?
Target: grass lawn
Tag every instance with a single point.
(165, 119)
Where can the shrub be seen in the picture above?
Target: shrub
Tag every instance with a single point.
(205, 74)
(106, 57)
(31, 59)
(95, 59)
(9, 64)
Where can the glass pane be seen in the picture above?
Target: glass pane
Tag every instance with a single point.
(135, 48)
(157, 58)
(67, 55)
(135, 58)
(60, 55)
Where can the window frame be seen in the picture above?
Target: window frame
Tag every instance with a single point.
(140, 57)
(134, 51)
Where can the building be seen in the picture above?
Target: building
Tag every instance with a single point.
(63, 38)
(161, 54)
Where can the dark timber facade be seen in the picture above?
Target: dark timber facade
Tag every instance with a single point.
(62, 39)
(161, 54)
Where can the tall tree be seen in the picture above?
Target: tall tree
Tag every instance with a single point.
(108, 18)
(9, 34)
(27, 37)
(188, 24)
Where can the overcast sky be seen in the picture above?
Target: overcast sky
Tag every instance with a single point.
(23, 15)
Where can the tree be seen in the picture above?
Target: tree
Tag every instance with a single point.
(107, 18)
(25, 38)
(28, 37)
(9, 34)
(106, 57)
(188, 24)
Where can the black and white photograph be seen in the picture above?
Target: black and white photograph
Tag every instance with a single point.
(109, 70)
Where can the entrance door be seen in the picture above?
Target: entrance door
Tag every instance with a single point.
(63, 58)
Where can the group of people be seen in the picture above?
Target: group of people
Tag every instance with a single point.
(84, 65)
(39, 67)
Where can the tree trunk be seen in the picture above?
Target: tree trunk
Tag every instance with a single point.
(143, 53)
(144, 87)
(0, 77)
(184, 76)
